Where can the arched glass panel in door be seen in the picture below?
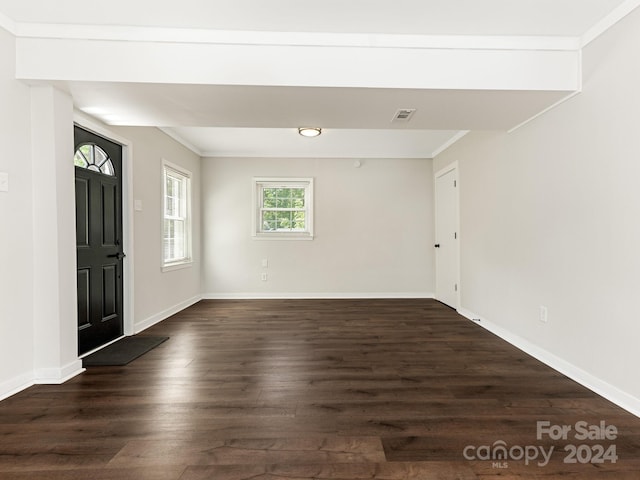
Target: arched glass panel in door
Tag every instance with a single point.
(94, 158)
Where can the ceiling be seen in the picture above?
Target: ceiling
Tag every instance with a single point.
(261, 120)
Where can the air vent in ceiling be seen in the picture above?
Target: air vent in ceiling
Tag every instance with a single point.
(403, 115)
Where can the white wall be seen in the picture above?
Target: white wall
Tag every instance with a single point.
(550, 216)
(158, 294)
(16, 227)
(373, 230)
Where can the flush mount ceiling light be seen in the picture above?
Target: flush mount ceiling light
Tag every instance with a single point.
(309, 131)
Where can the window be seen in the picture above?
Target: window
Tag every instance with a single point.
(92, 157)
(283, 208)
(176, 240)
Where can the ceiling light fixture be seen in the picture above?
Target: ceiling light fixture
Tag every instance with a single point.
(309, 131)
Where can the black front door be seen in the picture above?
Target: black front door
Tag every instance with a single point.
(99, 239)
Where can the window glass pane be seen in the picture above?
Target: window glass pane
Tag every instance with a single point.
(179, 243)
(174, 240)
(178, 197)
(269, 197)
(169, 185)
(168, 239)
(87, 152)
(283, 203)
(107, 168)
(268, 215)
(269, 220)
(171, 200)
(269, 225)
(93, 158)
(297, 202)
(284, 220)
(99, 155)
(299, 220)
(79, 160)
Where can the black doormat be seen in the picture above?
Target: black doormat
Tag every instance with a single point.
(123, 351)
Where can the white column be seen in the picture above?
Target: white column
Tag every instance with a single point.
(55, 311)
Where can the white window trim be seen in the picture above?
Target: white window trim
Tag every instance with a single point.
(188, 260)
(306, 183)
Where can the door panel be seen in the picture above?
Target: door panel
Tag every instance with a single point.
(84, 299)
(110, 293)
(82, 212)
(109, 218)
(99, 238)
(447, 239)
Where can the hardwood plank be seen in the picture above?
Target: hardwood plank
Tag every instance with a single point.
(328, 471)
(252, 451)
(148, 473)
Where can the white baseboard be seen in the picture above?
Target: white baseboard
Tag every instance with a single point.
(163, 315)
(593, 383)
(52, 376)
(314, 296)
(15, 385)
(56, 376)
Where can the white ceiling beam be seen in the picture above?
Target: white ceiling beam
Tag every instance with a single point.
(284, 65)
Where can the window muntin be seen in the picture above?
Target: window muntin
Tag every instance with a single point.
(176, 241)
(94, 158)
(282, 208)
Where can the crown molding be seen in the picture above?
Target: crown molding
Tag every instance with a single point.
(449, 142)
(308, 39)
(8, 24)
(181, 141)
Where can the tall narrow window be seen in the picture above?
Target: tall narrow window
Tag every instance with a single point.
(283, 208)
(176, 245)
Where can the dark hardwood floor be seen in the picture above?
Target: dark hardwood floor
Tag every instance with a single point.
(313, 389)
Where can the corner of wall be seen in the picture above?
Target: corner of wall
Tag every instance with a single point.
(164, 314)
(57, 376)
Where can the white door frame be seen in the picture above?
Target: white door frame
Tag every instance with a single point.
(92, 125)
(449, 168)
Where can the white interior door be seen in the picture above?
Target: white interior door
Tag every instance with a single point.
(446, 245)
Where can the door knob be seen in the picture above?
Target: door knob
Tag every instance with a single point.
(118, 255)
(437, 245)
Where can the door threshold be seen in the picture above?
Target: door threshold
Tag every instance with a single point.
(100, 347)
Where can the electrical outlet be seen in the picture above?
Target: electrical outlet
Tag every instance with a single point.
(263, 277)
(544, 314)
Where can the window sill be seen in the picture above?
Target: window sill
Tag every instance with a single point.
(282, 236)
(177, 266)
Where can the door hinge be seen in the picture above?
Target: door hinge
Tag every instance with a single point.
(455, 235)
(455, 183)
(456, 287)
